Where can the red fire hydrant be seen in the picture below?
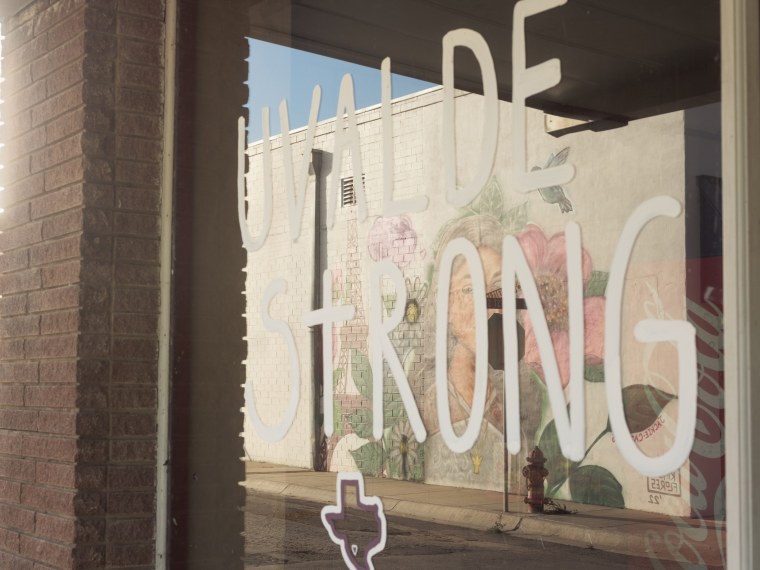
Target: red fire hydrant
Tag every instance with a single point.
(535, 473)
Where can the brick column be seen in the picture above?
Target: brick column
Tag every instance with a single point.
(79, 283)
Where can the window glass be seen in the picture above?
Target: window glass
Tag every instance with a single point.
(481, 277)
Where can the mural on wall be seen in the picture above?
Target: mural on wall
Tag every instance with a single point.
(642, 163)
(484, 223)
(352, 377)
(404, 454)
(643, 404)
(481, 465)
(413, 242)
(398, 454)
(581, 481)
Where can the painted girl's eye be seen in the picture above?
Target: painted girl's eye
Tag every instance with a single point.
(467, 290)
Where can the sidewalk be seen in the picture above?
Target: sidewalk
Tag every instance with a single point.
(617, 530)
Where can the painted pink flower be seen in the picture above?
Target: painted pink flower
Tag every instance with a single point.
(393, 238)
(547, 258)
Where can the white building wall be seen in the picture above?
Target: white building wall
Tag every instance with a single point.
(615, 172)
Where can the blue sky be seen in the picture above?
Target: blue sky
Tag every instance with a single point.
(276, 72)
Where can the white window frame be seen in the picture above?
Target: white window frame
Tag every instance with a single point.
(740, 68)
(163, 512)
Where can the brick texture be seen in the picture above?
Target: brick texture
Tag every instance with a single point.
(79, 279)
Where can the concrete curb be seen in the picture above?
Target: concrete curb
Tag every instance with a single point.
(552, 528)
(523, 525)
(291, 490)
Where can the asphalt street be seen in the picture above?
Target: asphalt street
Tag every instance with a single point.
(289, 533)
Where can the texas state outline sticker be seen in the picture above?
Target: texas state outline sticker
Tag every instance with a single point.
(331, 515)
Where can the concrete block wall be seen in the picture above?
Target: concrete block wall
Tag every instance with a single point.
(79, 283)
(351, 247)
(295, 262)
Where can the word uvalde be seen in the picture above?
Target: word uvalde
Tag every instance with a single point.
(570, 423)
(526, 82)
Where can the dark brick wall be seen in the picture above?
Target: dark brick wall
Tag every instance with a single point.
(79, 279)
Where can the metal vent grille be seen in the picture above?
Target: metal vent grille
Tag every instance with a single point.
(347, 192)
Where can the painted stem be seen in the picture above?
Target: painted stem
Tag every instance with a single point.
(575, 465)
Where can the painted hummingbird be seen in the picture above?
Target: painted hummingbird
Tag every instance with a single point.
(555, 194)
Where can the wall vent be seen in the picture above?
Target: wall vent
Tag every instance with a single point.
(347, 192)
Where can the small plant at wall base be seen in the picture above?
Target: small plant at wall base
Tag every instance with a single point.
(552, 507)
(498, 525)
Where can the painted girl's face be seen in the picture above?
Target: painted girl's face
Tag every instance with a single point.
(461, 305)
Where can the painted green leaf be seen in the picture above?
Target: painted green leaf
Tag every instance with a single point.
(337, 406)
(556, 463)
(490, 201)
(595, 485)
(496, 199)
(393, 467)
(362, 373)
(594, 372)
(418, 473)
(536, 381)
(361, 422)
(347, 290)
(429, 273)
(534, 410)
(643, 404)
(389, 301)
(337, 375)
(369, 458)
(515, 219)
(337, 417)
(390, 463)
(393, 412)
(597, 284)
